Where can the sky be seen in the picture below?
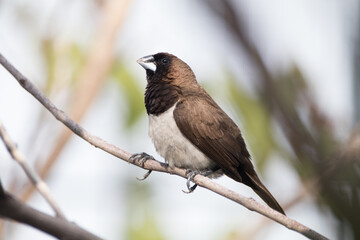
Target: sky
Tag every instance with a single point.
(315, 34)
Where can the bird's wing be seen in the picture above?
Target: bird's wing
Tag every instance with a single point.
(213, 132)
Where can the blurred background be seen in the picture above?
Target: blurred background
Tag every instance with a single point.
(287, 72)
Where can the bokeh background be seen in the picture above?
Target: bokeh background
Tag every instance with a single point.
(287, 72)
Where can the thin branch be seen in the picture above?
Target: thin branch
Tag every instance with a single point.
(39, 184)
(14, 209)
(154, 165)
(307, 188)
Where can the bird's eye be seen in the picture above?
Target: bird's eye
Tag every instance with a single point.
(165, 60)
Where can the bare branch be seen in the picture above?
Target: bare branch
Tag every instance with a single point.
(57, 227)
(39, 184)
(154, 165)
(308, 187)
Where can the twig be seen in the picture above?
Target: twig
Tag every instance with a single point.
(57, 227)
(39, 184)
(308, 187)
(154, 165)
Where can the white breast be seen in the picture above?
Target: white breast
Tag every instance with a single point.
(172, 145)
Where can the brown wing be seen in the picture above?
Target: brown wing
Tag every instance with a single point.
(208, 127)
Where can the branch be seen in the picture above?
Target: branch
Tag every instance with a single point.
(308, 187)
(39, 184)
(154, 165)
(57, 227)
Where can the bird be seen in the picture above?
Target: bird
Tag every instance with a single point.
(189, 129)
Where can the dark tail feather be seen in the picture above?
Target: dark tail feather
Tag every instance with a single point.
(262, 191)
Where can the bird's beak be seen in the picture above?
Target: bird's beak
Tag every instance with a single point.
(147, 62)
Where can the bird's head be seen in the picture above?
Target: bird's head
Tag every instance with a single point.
(167, 68)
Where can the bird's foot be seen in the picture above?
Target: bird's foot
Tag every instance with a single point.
(191, 174)
(142, 158)
(190, 178)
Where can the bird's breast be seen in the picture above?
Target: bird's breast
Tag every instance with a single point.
(173, 146)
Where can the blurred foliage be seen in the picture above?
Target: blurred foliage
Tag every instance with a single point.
(256, 122)
(77, 60)
(132, 92)
(291, 85)
(141, 222)
(340, 190)
(50, 58)
(318, 154)
(62, 64)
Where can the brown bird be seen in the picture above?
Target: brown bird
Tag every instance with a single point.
(189, 130)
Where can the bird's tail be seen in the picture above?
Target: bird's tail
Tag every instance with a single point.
(262, 191)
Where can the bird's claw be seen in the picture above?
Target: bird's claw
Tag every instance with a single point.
(145, 175)
(141, 157)
(190, 178)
